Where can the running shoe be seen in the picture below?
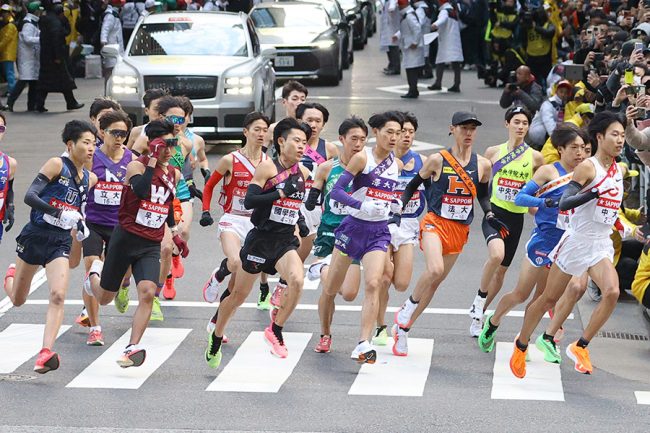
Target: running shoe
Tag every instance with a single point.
(212, 288)
(400, 341)
(46, 361)
(132, 357)
(122, 299)
(476, 310)
(403, 315)
(580, 356)
(476, 327)
(518, 361)
(364, 353)
(324, 344)
(485, 343)
(277, 347)
(210, 329)
(213, 359)
(313, 272)
(168, 290)
(381, 336)
(178, 270)
(156, 312)
(276, 298)
(264, 304)
(11, 273)
(549, 349)
(95, 338)
(82, 319)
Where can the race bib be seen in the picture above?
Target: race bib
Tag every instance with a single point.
(56, 221)
(507, 189)
(413, 205)
(108, 193)
(285, 211)
(338, 208)
(563, 220)
(152, 215)
(237, 206)
(455, 207)
(606, 211)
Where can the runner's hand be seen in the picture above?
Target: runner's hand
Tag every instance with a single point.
(82, 231)
(70, 218)
(206, 219)
(289, 189)
(180, 243)
(396, 206)
(373, 208)
(155, 147)
(303, 229)
(395, 219)
(194, 191)
(550, 202)
(205, 172)
(497, 225)
(9, 217)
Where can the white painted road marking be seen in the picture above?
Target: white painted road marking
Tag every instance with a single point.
(642, 397)
(543, 380)
(19, 342)
(391, 375)
(254, 369)
(37, 281)
(104, 372)
(403, 88)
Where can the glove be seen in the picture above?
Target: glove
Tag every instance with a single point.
(156, 146)
(374, 208)
(303, 229)
(205, 172)
(289, 189)
(549, 202)
(396, 206)
(9, 217)
(395, 219)
(82, 231)
(70, 218)
(180, 243)
(194, 191)
(497, 225)
(206, 219)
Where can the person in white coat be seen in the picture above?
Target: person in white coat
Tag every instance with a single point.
(28, 62)
(412, 46)
(423, 13)
(111, 33)
(450, 48)
(389, 26)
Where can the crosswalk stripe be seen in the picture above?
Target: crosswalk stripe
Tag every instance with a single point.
(19, 342)
(642, 397)
(104, 372)
(543, 379)
(396, 375)
(307, 285)
(254, 369)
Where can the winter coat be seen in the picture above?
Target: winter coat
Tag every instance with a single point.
(389, 24)
(110, 34)
(54, 75)
(425, 21)
(450, 48)
(411, 33)
(29, 48)
(8, 42)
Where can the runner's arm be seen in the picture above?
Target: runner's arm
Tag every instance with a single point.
(48, 172)
(526, 196)
(223, 167)
(316, 190)
(140, 177)
(356, 165)
(255, 195)
(572, 197)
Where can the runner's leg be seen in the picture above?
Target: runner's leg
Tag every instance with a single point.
(605, 276)
(574, 291)
(333, 277)
(17, 287)
(58, 273)
(373, 265)
(291, 269)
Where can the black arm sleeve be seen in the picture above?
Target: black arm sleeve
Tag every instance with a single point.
(141, 183)
(312, 198)
(410, 189)
(10, 193)
(171, 221)
(255, 197)
(571, 198)
(483, 196)
(33, 200)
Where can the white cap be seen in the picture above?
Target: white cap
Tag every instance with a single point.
(5, 7)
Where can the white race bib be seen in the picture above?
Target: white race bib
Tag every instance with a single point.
(152, 215)
(455, 207)
(507, 189)
(108, 193)
(562, 220)
(285, 211)
(606, 211)
(56, 221)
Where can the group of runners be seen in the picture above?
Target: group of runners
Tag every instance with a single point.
(126, 206)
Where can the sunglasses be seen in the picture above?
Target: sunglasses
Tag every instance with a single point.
(2, 129)
(117, 133)
(176, 120)
(171, 142)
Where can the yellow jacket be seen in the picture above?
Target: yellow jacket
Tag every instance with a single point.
(8, 42)
(72, 15)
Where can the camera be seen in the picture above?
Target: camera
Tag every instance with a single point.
(599, 57)
(640, 113)
(512, 87)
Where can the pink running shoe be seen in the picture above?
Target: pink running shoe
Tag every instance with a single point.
(95, 338)
(46, 361)
(278, 349)
(324, 345)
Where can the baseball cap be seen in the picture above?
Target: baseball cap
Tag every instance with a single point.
(643, 27)
(34, 6)
(585, 108)
(461, 117)
(565, 83)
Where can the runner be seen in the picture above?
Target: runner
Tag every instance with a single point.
(275, 195)
(593, 197)
(8, 166)
(198, 156)
(145, 206)
(513, 164)
(150, 101)
(56, 196)
(353, 133)
(98, 108)
(543, 192)
(452, 179)
(293, 94)
(109, 165)
(363, 234)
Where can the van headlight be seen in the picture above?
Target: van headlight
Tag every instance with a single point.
(238, 86)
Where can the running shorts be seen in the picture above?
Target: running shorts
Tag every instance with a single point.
(262, 250)
(237, 224)
(312, 218)
(128, 249)
(515, 223)
(324, 242)
(453, 234)
(575, 254)
(96, 244)
(540, 245)
(178, 210)
(39, 246)
(355, 237)
(407, 233)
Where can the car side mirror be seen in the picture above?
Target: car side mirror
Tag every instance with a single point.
(270, 53)
(110, 51)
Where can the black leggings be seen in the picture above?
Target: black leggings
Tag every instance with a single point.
(515, 224)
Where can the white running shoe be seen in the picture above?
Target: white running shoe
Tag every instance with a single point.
(364, 353)
(403, 315)
(212, 288)
(476, 310)
(400, 339)
(313, 273)
(476, 327)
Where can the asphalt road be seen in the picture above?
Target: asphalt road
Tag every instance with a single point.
(446, 384)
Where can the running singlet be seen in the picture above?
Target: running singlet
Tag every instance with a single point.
(333, 211)
(415, 206)
(233, 193)
(551, 218)
(595, 218)
(146, 217)
(63, 192)
(105, 197)
(177, 160)
(449, 197)
(375, 182)
(508, 181)
(312, 159)
(5, 172)
(281, 216)
(188, 172)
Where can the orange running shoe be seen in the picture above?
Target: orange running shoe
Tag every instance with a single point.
(178, 270)
(169, 291)
(580, 356)
(82, 319)
(11, 273)
(518, 362)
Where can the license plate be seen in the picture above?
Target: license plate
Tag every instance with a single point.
(284, 61)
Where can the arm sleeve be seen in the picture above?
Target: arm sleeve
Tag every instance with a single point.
(171, 221)
(483, 196)
(410, 189)
(312, 199)
(572, 198)
(526, 196)
(255, 197)
(213, 181)
(33, 200)
(141, 183)
(338, 192)
(10, 193)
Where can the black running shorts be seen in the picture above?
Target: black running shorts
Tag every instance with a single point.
(37, 245)
(515, 223)
(262, 250)
(96, 244)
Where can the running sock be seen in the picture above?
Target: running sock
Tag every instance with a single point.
(521, 346)
(549, 338)
(224, 295)
(481, 294)
(223, 271)
(216, 344)
(159, 287)
(582, 343)
(277, 331)
(413, 301)
(96, 328)
(491, 328)
(379, 329)
(264, 291)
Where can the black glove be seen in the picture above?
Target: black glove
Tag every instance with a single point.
(9, 217)
(395, 219)
(206, 174)
(289, 189)
(497, 225)
(194, 191)
(206, 219)
(549, 202)
(303, 229)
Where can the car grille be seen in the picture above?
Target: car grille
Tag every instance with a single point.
(194, 87)
(304, 59)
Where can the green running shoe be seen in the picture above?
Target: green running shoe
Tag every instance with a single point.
(156, 312)
(549, 349)
(122, 299)
(264, 305)
(485, 343)
(213, 360)
(381, 337)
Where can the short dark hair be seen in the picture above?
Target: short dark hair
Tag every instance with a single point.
(600, 123)
(158, 128)
(166, 103)
(410, 118)
(564, 134)
(253, 116)
(74, 129)
(379, 120)
(153, 94)
(518, 109)
(293, 85)
(186, 105)
(113, 117)
(352, 123)
(285, 126)
(300, 110)
(103, 103)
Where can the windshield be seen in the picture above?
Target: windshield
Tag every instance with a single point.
(189, 39)
(290, 16)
